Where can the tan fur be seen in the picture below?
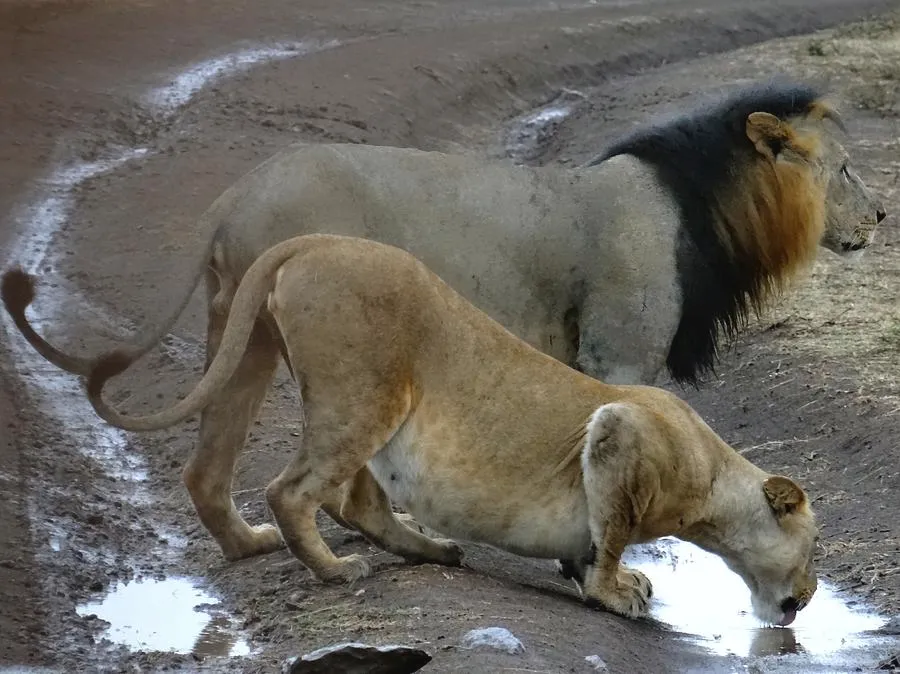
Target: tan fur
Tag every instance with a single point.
(411, 395)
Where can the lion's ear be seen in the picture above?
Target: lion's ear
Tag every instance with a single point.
(784, 495)
(768, 133)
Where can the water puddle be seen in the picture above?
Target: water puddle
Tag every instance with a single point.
(695, 593)
(171, 615)
(531, 135)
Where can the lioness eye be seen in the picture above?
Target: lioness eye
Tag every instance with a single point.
(845, 171)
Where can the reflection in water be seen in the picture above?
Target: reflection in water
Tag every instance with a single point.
(695, 593)
(169, 615)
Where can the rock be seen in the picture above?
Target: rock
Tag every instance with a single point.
(356, 658)
(597, 663)
(498, 638)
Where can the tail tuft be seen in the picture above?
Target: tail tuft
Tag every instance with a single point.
(17, 290)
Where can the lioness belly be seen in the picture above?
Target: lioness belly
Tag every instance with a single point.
(434, 484)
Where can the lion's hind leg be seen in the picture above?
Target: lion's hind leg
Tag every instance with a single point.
(617, 500)
(224, 425)
(368, 509)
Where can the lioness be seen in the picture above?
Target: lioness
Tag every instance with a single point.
(414, 396)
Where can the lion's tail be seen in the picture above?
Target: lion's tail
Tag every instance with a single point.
(18, 291)
(252, 291)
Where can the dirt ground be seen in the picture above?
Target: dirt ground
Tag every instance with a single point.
(810, 390)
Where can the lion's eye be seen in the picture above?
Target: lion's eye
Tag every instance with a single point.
(845, 172)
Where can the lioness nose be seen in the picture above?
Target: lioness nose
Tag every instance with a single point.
(790, 604)
(880, 215)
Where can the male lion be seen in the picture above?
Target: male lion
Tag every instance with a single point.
(616, 268)
(414, 396)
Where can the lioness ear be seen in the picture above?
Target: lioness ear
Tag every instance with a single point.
(784, 495)
(767, 133)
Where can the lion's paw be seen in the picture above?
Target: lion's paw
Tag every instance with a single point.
(570, 570)
(347, 570)
(262, 539)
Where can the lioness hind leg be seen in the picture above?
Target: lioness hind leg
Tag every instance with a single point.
(224, 425)
(341, 435)
(368, 509)
(617, 499)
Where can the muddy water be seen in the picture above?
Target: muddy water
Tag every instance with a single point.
(170, 615)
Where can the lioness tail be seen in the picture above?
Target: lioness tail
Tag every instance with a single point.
(249, 297)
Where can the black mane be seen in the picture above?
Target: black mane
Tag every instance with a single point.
(697, 156)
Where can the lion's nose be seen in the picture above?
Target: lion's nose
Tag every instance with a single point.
(880, 215)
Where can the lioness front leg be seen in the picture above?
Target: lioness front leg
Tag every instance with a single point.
(617, 500)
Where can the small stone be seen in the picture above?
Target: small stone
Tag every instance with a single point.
(597, 663)
(498, 638)
(357, 658)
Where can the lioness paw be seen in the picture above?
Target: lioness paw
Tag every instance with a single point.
(570, 570)
(637, 580)
(347, 570)
(630, 599)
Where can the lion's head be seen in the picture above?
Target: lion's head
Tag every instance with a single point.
(775, 554)
(852, 211)
(761, 180)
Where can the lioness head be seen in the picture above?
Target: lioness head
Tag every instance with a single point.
(775, 557)
(852, 211)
